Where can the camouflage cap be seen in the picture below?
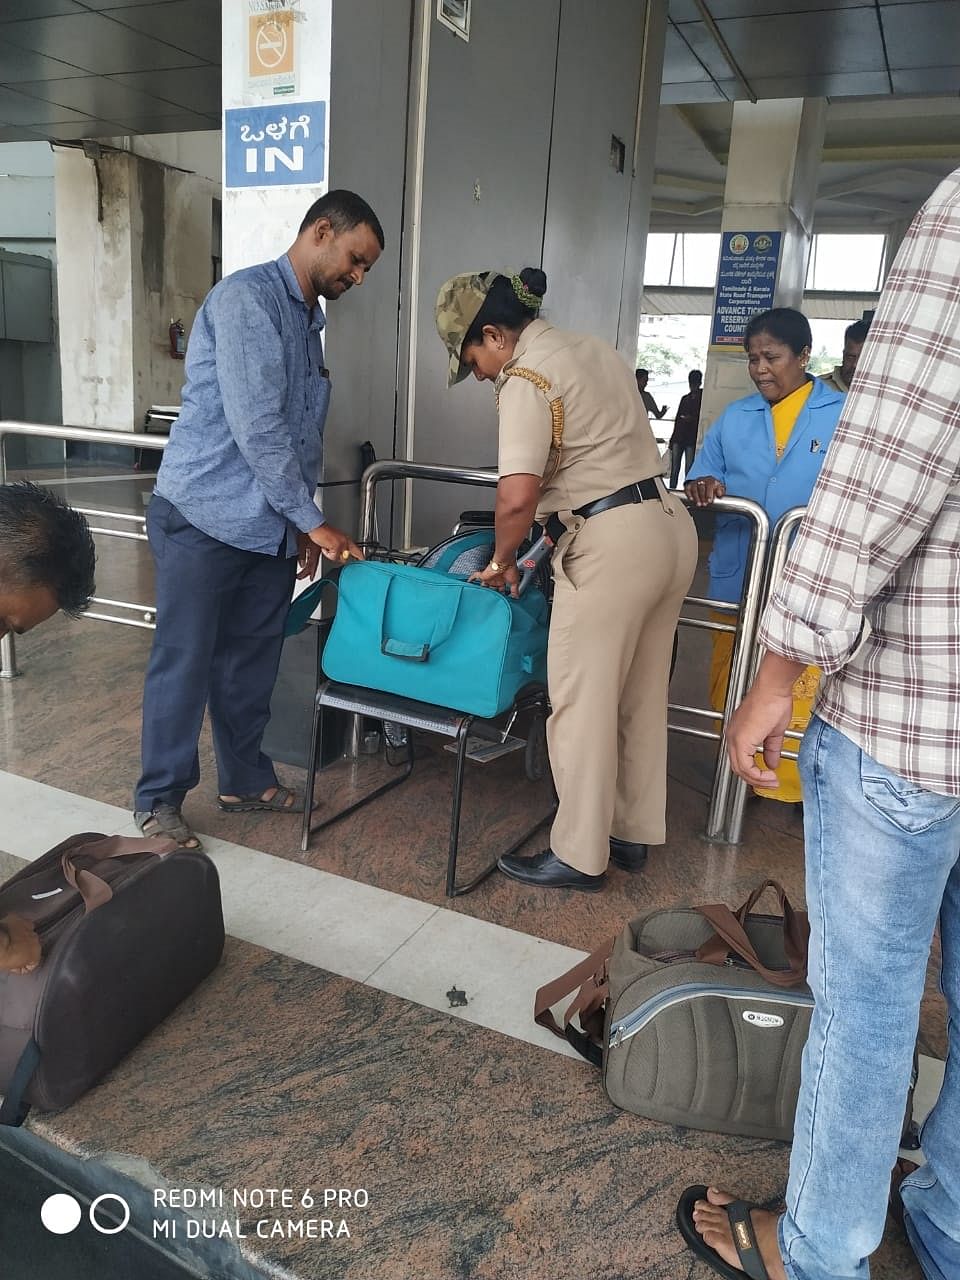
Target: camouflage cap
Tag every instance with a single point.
(458, 305)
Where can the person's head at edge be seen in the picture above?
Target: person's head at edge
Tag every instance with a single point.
(480, 316)
(777, 344)
(854, 337)
(339, 240)
(642, 376)
(47, 558)
(695, 379)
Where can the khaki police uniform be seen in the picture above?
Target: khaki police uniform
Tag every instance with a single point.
(620, 578)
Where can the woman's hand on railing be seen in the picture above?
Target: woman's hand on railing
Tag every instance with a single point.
(703, 491)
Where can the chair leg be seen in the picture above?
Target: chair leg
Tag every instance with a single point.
(311, 779)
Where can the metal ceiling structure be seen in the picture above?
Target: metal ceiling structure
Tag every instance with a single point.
(74, 69)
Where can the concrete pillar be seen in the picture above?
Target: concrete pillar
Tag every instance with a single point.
(771, 187)
(134, 252)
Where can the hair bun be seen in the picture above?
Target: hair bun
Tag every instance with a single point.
(535, 280)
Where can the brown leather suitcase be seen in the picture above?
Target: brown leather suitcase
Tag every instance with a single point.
(128, 928)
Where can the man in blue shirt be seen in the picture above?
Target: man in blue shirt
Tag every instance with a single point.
(234, 511)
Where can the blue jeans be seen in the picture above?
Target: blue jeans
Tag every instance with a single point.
(881, 865)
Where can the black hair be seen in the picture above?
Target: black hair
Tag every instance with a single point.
(645, 372)
(787, 325)
(43, 542)
(857, 332)
(344, 210)
(695, 375)
(503, 308)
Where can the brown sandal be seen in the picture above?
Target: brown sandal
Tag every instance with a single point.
(256, 803)
(165, 820)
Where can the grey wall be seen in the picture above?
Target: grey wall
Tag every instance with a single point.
(588, 202)
(489, 110)
(525, 124)
(29, 361)
(368, 120)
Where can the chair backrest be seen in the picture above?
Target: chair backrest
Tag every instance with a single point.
(461, 554)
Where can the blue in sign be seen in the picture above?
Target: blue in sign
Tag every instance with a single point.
(746, 280)
(276, 146)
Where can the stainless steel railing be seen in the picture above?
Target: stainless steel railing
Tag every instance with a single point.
(88, 435)
(773, 571)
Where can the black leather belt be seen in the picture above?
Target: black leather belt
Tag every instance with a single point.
(639, 491)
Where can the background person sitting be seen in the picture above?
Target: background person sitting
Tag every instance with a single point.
(769, 448)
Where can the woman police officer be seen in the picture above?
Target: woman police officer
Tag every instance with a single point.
(575, 446)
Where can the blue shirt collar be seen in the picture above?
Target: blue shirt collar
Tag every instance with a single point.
(285, 267)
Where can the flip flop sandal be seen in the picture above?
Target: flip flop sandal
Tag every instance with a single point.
(255, 803)
(751, 1264)
(165, 820)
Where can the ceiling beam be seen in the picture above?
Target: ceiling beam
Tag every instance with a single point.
(708, 185)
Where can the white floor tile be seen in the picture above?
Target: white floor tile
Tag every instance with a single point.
(498, 970)
(325, 920)
(35, 817)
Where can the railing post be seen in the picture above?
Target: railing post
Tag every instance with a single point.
(8, 649)
(772, 571)
(743, 649)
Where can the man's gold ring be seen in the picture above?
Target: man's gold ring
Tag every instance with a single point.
(345, 554)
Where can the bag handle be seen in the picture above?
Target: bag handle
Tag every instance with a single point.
(591, 977)
(443, 624)
(730, 936)
(92, 888)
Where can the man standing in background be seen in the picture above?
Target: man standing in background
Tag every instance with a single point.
(683, 442)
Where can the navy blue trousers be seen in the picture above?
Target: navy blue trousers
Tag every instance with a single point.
(220, 620)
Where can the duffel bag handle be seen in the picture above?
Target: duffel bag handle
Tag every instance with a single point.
(443, 623)
(92, 888)
(730, 936)
(590, 975)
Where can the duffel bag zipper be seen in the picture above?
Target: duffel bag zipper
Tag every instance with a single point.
(627, 1027)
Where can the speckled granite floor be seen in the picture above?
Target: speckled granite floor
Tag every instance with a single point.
(481, 1157)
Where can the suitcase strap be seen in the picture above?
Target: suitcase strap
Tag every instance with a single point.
(590, 975)
(92, 888)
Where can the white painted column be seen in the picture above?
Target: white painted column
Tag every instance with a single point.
(771, 188)
(276, 124)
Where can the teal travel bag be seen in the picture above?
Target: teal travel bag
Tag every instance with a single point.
(430, 635)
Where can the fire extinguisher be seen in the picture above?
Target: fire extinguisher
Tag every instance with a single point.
(178, 340)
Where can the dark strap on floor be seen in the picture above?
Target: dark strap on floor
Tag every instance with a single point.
(745, 1240)
(14, 1110)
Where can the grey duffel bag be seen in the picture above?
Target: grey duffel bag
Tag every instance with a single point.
(697, 1016)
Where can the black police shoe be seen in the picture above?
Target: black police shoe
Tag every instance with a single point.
(546, 870)
(628, 856)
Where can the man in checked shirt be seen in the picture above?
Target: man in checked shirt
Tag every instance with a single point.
(871, 594)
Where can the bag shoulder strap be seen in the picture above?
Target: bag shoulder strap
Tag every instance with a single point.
(590, 975)
(554, 404)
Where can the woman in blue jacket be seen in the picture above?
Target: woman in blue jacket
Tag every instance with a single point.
(767, 447)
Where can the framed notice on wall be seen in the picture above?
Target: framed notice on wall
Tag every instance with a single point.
(455, 14)
(272, 52)
(746, 281)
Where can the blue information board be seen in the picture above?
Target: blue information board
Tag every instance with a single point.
(282, 145)
(746, 279)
